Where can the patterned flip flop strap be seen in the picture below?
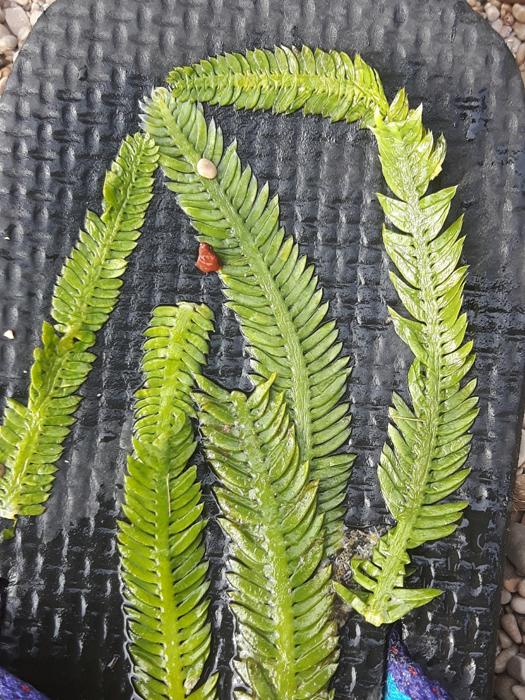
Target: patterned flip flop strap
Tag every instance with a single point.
(12, 688)
(405, 679)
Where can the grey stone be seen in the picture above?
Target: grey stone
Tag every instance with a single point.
(509, 625)
(504, 640)
(516, 542)
(504, 657)
(516, 667)
(503, 687)
(511, 580)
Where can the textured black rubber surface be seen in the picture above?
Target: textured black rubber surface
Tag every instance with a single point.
(73, 96)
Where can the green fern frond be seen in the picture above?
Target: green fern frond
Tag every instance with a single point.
(280, 589)
(88, 286)
(161, 545)
(328, 83)
(272, 289)
(32, 436)
(429, 440)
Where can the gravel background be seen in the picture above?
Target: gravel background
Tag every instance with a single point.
(508, 19)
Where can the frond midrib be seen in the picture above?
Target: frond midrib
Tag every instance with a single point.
(286, 682)
(171, 639)
(299, 389)
(428, 425)
(36, 412)
(61, 344)
(174, 361)
(330, 86)
(163, 445)
(102, 253)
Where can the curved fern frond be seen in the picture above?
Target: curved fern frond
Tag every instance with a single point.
(328, 83)
(280, 589)
(272, 289)
(32, 436)
(429, 442)
(161, 545)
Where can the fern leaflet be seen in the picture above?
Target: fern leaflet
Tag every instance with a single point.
(271, 288)
(280, 590)
(32, 436)
(429, 443)
(161, 545)
(328, 83)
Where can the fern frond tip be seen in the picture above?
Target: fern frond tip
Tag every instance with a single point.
(285, 80)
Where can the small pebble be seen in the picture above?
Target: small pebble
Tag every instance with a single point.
(519, 691)
(514, 45)
(506, 597)
(510, 626)
(504, 657)
(3, 83)
(503, 687)
(16, 19)
(519, 30)
(497, 25)
(521, 458)
(519, 12)
(26, 31)
(516, 544)
(8, 42)
(24, 3)
(9, 334)
(491, 12)
(35, 16)
(504, 31)
(518, 604)
(521, 623)
(504, 640)
(516, 667)
(510, 579)
(207, 169)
